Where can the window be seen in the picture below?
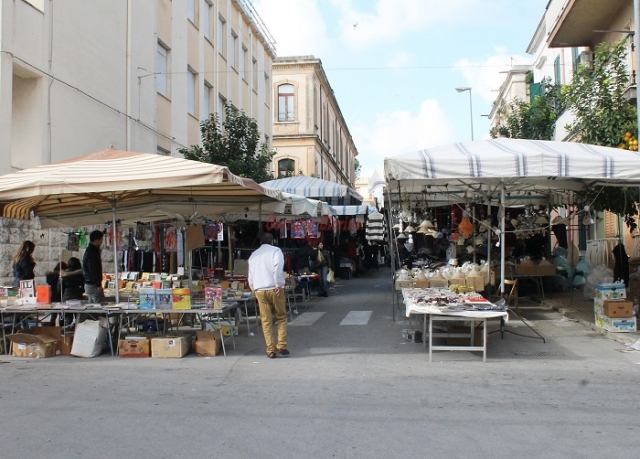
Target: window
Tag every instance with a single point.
(233, 50)
(286, 103)
(243, 63)
(267, 92)
(191, 92)
(191, 11)
(557, 71)
(286, 168)
(222, 31)
(254, 70)
(207, 19)
(162, 64)
(575, 53)
(221, 104)
(207, 99)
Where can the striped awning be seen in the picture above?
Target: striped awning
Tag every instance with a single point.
(84, 190)
(529, 170)
(313, 187)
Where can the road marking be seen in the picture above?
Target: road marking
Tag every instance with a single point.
(306, 318)
(357, 318)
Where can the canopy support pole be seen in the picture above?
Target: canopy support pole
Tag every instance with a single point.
(502, 236)
(115, 245)
(489, 244)
(392, 256)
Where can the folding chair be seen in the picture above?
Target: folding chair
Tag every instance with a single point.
(512, 296)
(513, 293)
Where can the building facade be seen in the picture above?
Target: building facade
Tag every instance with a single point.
(310, 135)
(80, 76)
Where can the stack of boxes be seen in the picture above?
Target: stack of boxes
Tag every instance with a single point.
(612, 311)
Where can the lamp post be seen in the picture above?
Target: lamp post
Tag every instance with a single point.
(463, 89)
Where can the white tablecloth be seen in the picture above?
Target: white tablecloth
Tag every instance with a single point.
(412, 307)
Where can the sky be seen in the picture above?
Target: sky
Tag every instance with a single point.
(394, 65)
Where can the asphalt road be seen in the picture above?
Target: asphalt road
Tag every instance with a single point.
(347, 391)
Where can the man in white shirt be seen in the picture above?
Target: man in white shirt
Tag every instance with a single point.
(266, 279)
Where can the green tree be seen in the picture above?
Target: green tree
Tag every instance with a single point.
(534, 120)
(234, 143)
(357, 167)
(603, 116)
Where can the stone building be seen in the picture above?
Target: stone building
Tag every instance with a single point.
(310, 135)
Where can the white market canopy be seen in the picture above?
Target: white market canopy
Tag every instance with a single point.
(528, 169)
(290, 205)
(89, 190)
(313, 187)
(511, 171)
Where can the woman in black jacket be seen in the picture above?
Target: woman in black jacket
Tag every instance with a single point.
(23, 263)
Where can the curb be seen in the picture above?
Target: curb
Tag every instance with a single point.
(621, 338)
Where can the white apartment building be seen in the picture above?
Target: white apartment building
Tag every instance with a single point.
(310, 135)
(78, 76)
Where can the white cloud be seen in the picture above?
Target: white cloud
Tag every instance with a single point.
(398, 132)
(486, 76)
(296, 25)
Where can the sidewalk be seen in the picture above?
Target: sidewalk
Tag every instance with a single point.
(575, 307)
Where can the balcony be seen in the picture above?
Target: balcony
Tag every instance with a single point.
(578, 21)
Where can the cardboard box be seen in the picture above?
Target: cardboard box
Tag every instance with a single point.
(208, 343)
(526, 269)
(421, 283)
(228, 327)
(616, 325)
(170, 347)
(618, 308)
(181, 298)
(400, 284)
(65, 343)
(475, 282)
(34, 343)
(438, 283)
(545, 270)
(134, 347)
(89, 338)
(615, 291)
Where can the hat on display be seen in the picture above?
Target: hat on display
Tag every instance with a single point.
(401, 237)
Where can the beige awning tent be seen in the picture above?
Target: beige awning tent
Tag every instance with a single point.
(110, 185)
(138, 186)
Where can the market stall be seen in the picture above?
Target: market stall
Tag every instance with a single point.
(507, 172)
(114, 185)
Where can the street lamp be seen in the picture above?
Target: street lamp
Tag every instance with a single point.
(463, 89)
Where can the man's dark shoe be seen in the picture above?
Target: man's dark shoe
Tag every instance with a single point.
(284, 352)
(271, 355)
